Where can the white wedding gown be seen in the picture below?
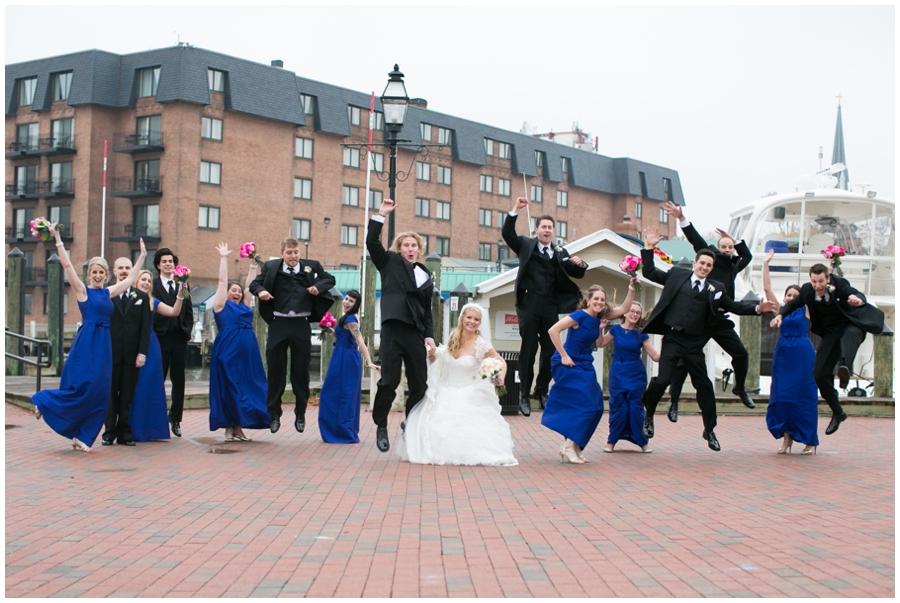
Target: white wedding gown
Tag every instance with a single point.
(458, 422)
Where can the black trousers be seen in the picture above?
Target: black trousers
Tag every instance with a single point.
(732, 345)
(400, 343)
(827, 356)
(536, 315)
(285, 334)
(850, 341)
(124, 380)
(173, 350)
(678, 345)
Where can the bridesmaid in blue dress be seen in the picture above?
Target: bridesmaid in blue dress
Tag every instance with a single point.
(339, 400)
(793, 412)
(149, 416)
(628, 380)
(237, 380)
(77, 409)
(575, 403)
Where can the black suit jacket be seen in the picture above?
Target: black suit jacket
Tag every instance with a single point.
(166, 324)
(672, 282)
(867, 317)
(725, 267)
(400, 297)
(129, 326)
(568, 293)
(316, 305)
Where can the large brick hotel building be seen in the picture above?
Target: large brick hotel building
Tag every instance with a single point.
(205, 147)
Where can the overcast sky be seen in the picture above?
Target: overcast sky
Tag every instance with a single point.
(736, 99)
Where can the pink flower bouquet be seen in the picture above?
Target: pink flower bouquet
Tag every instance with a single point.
(630, 266)
(835, 253)
(327, 325)
(489, 369)
(181, 274)
(248, 250)
(40, 229)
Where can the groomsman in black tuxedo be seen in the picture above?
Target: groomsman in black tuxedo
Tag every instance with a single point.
(129, 328)
(689, 304)
(544, 290)
(173, 333)
(292, 293)
(406, 326)
(834, 307)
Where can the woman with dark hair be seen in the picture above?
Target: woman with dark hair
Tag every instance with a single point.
(339, 400)
(793, 411)
(237, 380)
(628, 379)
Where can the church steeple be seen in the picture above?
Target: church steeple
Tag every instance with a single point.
(839, 155)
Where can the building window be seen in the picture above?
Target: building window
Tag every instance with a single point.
(663, 216)
(643, 178)
(537, 193)
(65, 303)
(351, 157)
(22, 218)
(503, 187)
(562, 230)
(210, 172)
(302, 188)
(422, 208)
(353, 115)
(486, 184)
(301, 229)
(377, 162)
(562, 199)
(27, 136)
(532, 223)
(484, 217)
(25, 179)
(444, 175)
(209, 217)
(565, 164)
(442, 210)
(539, 158)
(61, 177)
(348, 235)
(445, 136)
(667, 189)
(145, 220)
(425, 131)
(378, 123)
(147, 82)
(504, 150)
(502, 253)
(484, 251)
(149, 130)
(303, 148)
(375, 199)
(216, 80)
(501, 218)
(443, 246)
(309, 103)
(146, 175)
(211, 128)
(62, 83)
(350, 196)
(423, 171)
(26, 91)
(488, 146)
(61, 214)
(638, 210)
(61, 133)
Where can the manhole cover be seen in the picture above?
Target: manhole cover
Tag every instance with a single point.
(12, 426)
(223, 450)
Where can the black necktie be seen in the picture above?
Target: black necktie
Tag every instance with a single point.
(171, 287)
(291, 270)
(545, 254)
(697, 288)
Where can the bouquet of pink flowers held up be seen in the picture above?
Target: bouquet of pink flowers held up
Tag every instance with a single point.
(40, 229)
(327, 325)
(630, 266)
(490, 368)
(248, 250)
(835, 253)
(181, 274)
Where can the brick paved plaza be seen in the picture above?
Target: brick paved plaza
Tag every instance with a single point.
(287, 515)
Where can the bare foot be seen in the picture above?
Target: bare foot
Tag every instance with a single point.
(79, 445)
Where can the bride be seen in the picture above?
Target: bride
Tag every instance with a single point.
(459, 422)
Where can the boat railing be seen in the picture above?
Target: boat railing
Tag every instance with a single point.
(872, 275)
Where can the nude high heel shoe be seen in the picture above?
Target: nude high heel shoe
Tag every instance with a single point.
(786, 445)
(567, 454)
(809, 450)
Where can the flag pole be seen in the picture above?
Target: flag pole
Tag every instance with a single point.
(527, 207)
(362, 272)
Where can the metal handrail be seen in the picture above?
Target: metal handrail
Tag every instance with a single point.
(40, 346)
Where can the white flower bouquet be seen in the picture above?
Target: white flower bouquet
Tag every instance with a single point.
(490, 369)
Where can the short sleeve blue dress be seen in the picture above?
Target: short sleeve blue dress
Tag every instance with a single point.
(149, 417)
(794, 396)
(627, 382)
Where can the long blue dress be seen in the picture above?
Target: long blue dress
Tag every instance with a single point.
(339, 399)
(149, 417)
(78, 408)
(627, 382)
(794, 396)
(575, 403)
(237, 380)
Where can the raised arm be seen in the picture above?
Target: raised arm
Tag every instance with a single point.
(122, 287)
(767, 281)
(248, 296)
(221, 295)
(648, 258)
(376, 249)
(554, 332)
(626, 305)
(743, 252)
(78, 287)
(509, 226)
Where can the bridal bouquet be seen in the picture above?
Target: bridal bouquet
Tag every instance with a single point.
(630, 266)
(40, 229)
(327, 324)
(490, 368)
(248, 250)
(835, 253)
(181, 274)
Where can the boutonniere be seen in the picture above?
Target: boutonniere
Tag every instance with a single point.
(558, 249)
(829, 288)
(132, 295)
(307, 269)
(710, 288)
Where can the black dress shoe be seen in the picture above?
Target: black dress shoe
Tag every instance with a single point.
(744, 397)
(648, 426)
(843, 376)
(108, 442)
(128, 443)
(176, 429)
(542, 400)
(711, 439)
(300, 424)
(275, 425)
(836, 421)
(525, 406)
(403, 425)
(673, 410)
(381, 439)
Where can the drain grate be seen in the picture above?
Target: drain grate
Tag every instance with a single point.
(8, 426)
(223, 450)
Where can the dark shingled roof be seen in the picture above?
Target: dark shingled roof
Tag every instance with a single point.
(104, 78)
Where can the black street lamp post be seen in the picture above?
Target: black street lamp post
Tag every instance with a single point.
(395, 102)
(324, 244)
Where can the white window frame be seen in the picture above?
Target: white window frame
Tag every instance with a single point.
(503, 186)
(350, 196)
(206, 218)
(303, 186)
(423, 207)
(301, 224)
(351, 157)
(210, 172)
(486, 184)
(484, 217)
(210, 127)
(423, 171)
(303, 148)
(442, 210)
(537, 193)
(562, 230)
(445, 175)
(562, 198)
(349, 235)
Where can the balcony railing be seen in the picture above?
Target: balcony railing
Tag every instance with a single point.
(53, 188)
(19, 190)
(20, 148)
(136, 188)
(22, 234)
(35, 276)
(54, 145)
(132, 231)
(132, 142)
